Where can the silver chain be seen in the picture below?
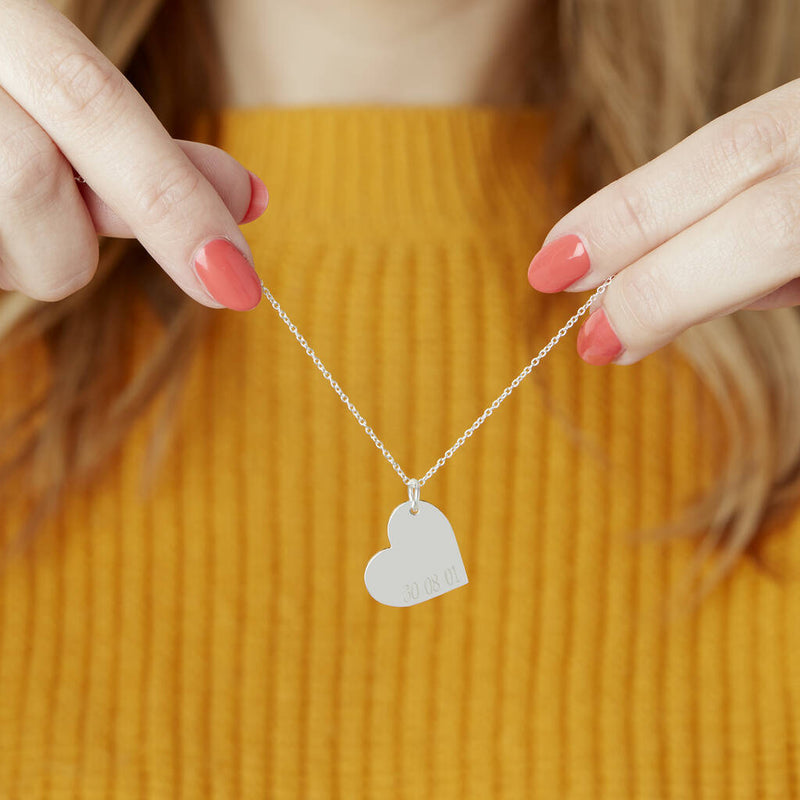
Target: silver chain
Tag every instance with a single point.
(412, 483)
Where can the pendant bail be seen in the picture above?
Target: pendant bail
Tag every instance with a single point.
(413, 494)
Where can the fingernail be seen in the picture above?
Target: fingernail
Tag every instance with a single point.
(597, 343)
(227, 275)
(558, 264)
(259, 198)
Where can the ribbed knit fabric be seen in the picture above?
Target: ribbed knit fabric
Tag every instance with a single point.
(216, 640)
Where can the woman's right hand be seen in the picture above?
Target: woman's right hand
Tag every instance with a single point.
(65, 106)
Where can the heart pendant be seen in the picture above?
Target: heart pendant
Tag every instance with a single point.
(422, 561)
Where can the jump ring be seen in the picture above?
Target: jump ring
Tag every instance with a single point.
(413, 495)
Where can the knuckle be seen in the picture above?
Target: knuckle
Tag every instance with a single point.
(72, 272)
(159, 199)
(30, 167)
(81, 82)
(645, 303)
(52, 290)
(630, 217)
(753, 143)
(776, 220)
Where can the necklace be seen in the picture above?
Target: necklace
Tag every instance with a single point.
(423, 560)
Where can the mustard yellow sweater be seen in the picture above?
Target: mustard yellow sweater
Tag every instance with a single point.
(216, 640)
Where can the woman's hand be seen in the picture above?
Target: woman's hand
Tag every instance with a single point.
(64, 105)
(710, 226)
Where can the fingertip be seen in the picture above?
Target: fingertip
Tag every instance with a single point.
(597, 342)
(259, 199)
(558, 264)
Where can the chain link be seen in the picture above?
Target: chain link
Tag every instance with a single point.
(490, 409)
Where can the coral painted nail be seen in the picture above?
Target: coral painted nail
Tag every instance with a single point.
(597, 343)
(558, 264)
(259, 198)
(228, 275)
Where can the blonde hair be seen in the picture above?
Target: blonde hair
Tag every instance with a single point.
(628, 80)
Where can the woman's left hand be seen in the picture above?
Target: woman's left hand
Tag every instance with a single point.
(708, 227)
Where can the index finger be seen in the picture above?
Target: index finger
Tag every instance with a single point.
(114, 140)
(631, 216)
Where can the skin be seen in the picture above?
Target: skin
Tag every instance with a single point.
(710, 226)
(288, 52)
(63, 105)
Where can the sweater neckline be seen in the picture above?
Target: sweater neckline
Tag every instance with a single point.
(397, 170)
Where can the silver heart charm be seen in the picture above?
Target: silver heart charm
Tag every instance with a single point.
(422, 561)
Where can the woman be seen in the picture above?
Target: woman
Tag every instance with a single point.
(212, 636)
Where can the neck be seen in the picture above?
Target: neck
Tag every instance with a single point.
(310, 52)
